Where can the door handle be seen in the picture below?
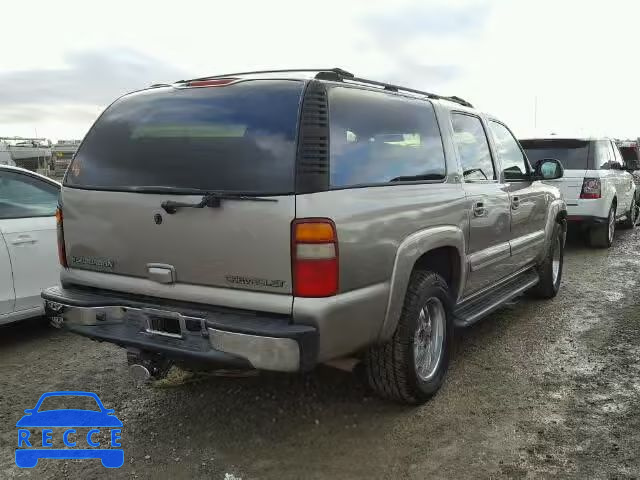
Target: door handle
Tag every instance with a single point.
(22, 239)
(479, 210)
(515, 203)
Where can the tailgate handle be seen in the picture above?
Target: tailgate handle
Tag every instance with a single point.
(161, 273)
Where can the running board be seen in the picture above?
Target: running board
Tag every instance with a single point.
(470, 311)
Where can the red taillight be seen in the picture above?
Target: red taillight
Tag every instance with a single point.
(590, 188)
(62, 254)
(214, 82)
(314, 253)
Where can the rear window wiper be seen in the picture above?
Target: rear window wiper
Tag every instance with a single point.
(212, 200)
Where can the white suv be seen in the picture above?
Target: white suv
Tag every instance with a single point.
(598, 189)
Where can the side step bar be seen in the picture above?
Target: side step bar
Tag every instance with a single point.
(474, 309)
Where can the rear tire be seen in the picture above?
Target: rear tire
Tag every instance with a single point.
(411, 366)
(632, 216)
(550, 270)
(601, 236)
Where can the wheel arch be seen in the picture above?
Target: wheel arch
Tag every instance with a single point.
(439, 249)
(556, 214)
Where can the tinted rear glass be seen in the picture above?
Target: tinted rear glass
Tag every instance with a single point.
(573, 154)
(378, 138)
(240, 138)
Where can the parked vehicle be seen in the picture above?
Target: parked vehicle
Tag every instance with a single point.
(277, 220)
(630, 152)
(28, 260)
(597, 187)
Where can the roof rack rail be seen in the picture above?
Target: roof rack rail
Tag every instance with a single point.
(337, 75)
(459, 100)
(336, 72)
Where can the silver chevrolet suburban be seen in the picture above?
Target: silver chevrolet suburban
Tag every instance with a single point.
(278, 220)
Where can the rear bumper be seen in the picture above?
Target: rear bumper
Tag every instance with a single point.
(587, 220)
(588, 208)
(225, 337)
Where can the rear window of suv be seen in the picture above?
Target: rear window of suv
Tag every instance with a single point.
(573, 154)
(239, 138)
(378, 138)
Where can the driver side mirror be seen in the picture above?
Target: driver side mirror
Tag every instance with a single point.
(549, 169)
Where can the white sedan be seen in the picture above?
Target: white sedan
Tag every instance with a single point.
(28, 242)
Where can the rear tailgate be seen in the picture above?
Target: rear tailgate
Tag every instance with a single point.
(178, 144)
(570, 185)
(239, 245)
(572, 153)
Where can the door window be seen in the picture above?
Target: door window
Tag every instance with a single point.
(471, 143)
(26, 196)
(514, 163)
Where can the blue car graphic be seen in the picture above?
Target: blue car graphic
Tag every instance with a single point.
(28, 456)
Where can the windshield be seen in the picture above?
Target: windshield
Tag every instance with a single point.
(573, 154)
(239, 138)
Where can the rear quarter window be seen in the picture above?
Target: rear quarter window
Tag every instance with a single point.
(379, 138)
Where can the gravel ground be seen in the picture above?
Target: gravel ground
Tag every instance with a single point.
(537, 390)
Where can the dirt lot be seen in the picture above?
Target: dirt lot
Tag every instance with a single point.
(537, 390)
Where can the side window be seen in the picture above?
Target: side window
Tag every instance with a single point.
(514, 163)
(23, 196)
(603, 155)
(380, 138)
(471, 143)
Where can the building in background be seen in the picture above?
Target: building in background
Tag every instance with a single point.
(30, 153)
(61, 155)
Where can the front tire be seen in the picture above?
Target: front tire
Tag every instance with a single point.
(550, 270)
(602, 235)
(411, 366)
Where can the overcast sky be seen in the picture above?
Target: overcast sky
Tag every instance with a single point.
(63, 61)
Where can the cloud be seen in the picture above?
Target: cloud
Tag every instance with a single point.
(433, 20)
(422, 45)
(94, 77)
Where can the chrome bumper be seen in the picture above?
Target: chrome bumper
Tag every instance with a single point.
(240, 339)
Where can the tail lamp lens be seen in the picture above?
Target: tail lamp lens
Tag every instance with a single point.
(62, 254)
(590, 188)
(314, 253)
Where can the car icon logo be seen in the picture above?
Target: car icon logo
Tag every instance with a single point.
(69, 433)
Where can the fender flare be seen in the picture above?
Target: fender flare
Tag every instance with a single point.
(409, 251)
(557, 213)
